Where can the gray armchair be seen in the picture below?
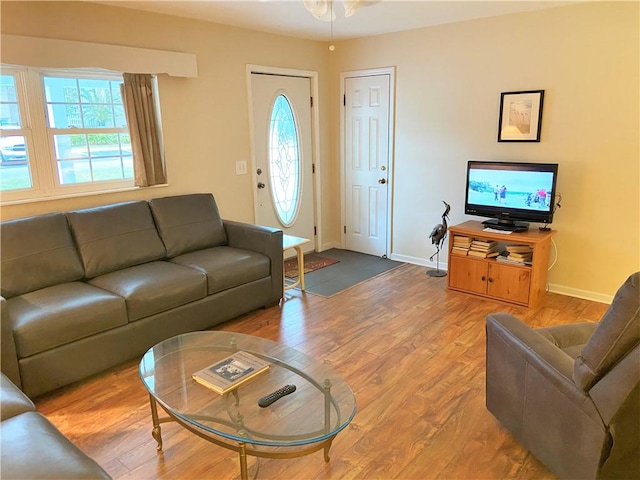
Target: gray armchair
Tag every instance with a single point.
(570, 394)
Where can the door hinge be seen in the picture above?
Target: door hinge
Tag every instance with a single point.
(311, 102)
(344, 100)
(313, 168)
(315, 230)
(345, 229)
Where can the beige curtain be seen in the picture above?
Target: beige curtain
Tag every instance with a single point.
(137, 96)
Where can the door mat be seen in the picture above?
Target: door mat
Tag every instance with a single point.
(311, 263)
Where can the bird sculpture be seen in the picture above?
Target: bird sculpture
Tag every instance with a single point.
(437, 236)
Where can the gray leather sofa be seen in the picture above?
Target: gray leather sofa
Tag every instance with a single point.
(85, 290)
(571, 393)
(32, 448)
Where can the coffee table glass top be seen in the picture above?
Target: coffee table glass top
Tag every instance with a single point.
(322, 405)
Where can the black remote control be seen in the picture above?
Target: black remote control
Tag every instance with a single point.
(278, 394)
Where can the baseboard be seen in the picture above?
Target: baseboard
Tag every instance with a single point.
(420, 261)
(329, 246)
(584, 294)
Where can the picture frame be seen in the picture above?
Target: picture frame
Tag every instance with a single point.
(520, 116)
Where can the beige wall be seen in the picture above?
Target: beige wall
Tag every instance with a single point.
(448, 84)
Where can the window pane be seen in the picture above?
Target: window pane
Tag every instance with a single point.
(120, 119)
(70, 146)
(70, 172)
(61, 90)
(14, 167)
(95, 91)
(9, 111)
(107, 169)
(115, 91)
(284, 161)
(8, 88)
(64, 116)
(96, 116)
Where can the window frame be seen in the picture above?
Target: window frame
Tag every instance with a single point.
(39, 136)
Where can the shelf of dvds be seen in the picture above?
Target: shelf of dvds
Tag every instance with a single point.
(475, 268)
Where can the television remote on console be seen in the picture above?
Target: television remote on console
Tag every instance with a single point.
(277, 395)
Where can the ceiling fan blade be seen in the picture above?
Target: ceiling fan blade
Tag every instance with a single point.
(351, 6)
(317, 8)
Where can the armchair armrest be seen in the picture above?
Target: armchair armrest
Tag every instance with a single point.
(265, 240)
(538, 351)
(8, 355)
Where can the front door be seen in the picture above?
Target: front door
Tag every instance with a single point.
(283, 153)
(367, 148)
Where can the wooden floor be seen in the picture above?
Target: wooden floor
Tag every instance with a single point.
(414, 355)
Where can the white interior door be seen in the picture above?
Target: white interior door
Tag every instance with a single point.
(283, 153)
(367, 143)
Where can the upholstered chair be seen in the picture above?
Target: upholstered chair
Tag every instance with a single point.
(570, 394)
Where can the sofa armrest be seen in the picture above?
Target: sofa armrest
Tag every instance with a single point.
(8, 355)
(265, 240)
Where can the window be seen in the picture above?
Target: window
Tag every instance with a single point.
(284, 162)
(62, 132)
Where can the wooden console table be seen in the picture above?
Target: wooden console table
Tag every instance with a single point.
(296, 243)
(523, 285)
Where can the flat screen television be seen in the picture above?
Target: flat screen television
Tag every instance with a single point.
(511, 194)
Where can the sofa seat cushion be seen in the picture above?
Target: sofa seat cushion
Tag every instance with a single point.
(116, 236)
(33, 448)
(569, 338)
(14, 402)
(227, 267)
(188, 223)
(55, 316)
(154, 287)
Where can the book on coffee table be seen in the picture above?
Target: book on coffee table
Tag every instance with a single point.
(231, 372)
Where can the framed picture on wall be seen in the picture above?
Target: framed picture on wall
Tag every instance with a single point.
(520, 116)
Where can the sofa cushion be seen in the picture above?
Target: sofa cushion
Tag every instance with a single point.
(227, 267)
(55, 316)
(188, 223)
(154, 287)
(31, 447)
(14, 402)
(37, 252)
(617, 334)
(115, 236)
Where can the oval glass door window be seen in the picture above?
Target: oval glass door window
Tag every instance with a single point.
(284, 162)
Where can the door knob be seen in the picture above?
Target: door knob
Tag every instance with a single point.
(261, 185)
(259, 171)
(382, 180)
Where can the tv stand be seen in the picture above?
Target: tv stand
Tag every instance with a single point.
(506, 226)
(519, 284)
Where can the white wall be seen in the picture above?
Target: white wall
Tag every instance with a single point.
(448, 85)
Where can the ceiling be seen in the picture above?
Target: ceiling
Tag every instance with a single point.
(290, 18)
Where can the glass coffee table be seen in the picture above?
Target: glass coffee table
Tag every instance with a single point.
(304, 421)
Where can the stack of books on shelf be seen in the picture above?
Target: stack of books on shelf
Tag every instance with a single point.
(484, 248)
(461, 245)
(518, 254)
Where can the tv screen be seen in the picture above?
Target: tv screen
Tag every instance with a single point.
(511, 193)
